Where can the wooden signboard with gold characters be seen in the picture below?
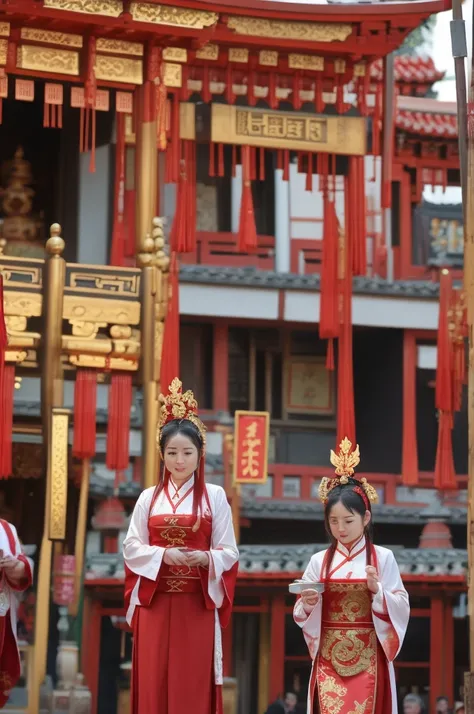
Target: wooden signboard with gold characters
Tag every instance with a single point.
(294, 131)
(251, 438)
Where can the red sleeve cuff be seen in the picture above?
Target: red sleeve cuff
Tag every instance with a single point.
(26, 581)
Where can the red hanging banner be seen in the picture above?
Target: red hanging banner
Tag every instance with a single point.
(251, 441)
(118, 427)
(85, 407)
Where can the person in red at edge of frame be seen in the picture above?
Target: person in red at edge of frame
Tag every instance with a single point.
(16, 575)
(354, 629)
(181, 563)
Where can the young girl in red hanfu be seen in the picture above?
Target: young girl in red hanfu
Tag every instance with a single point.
(181, 566)
(355, 616)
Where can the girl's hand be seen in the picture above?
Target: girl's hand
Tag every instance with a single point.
(175, 556)
(310, 598)
(372, 579)
(13, 567)
(198, 558)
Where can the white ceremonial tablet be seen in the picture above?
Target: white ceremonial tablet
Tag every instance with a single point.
(299, 585)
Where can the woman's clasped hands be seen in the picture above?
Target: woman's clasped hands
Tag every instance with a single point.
(190, 558)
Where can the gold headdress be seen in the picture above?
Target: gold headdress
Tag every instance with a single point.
(345, 463)
(179, 405)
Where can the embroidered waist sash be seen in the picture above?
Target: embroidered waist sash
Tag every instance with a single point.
(346, 667)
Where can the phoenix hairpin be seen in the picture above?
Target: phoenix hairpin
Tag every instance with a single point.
(345, 462)
(180, 405)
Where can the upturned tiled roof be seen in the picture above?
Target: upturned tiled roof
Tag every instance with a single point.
(252, 277)
(409, 69)
(293, 559)
(286, 509)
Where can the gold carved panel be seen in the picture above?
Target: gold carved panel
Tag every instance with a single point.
(3, 51)
(104, 283)
(279, 30)
(288, 130)
(175, 54)
(119, 69)
(98, 362)
(46, 59)
(58, 475)
(92, 310)
(19, 304)
(208, 52)
(169, 15)
(4, 29)
(239, 54)
(119, 47)
(173, 75)
(108, 8)
(49, 37)
(268, 58)
(311, 62)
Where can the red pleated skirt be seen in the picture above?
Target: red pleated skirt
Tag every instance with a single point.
(173, 656)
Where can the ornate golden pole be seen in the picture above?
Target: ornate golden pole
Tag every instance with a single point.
(146, 155)
(51, 396)
(81, 533)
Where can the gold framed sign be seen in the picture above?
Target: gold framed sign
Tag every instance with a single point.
(288, 130)
(310, 387)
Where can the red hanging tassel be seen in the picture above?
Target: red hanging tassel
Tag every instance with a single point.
(220, 160)
(319, 103)
(161, 114)
(118, 427)
(170, 357)
(357, 214)
(117, 253)
(330, 355)
(329, 310)
(6, 428)
(309, 173)
(53, 105)
(445, 476)
(247, 238)
(183, 231)
(272, 91)
(85, 408)
(88, 113)
(261, 164)
(234, 160)
(286, 165)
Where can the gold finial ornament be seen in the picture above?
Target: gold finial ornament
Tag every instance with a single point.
(179, 405)
(345, 463)
(346, 460)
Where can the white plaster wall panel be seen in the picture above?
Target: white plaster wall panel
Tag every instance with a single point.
(94, 220)
(367, 310)
(307, 229)
(394, 312)
(222, 301)
(427, 357)
(302, 306)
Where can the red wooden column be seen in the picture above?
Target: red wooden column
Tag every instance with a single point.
(448, 649)
(221, 367)
(90, 650)
(409, 440)
(437, 654)
(277, 640)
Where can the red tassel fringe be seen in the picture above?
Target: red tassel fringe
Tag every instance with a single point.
(183, 232)
(170, 358)
(85, 409)
(6, 430)
(247, 238)
(118, 427)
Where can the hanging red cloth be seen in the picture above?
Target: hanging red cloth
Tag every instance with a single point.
(183, 231)
(329, 310)
(118, 250)
(357, 214)
(247, 237)
(85, 408)
(170, 355)
(6, 428)
(445, 476)
(118, 427)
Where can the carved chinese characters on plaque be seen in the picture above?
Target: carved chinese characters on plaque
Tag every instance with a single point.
(288, 130)
(251, 439)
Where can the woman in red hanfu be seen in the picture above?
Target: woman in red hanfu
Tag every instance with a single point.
(181, 564)
(16, 575)
(355, 627)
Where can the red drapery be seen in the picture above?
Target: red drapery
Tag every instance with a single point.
(170, 367)
(85, 407)
(118, 427)
(247, 237)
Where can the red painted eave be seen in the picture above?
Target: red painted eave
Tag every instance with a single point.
(316, 11)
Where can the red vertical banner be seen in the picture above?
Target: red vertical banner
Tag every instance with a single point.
(251, 441)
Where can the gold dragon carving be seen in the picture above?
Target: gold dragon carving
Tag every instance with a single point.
(169, 15)
(109, 8)
(275, 29)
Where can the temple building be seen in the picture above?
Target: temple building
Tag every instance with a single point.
(244, 193)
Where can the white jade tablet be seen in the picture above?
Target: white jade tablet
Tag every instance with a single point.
(299, 585)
